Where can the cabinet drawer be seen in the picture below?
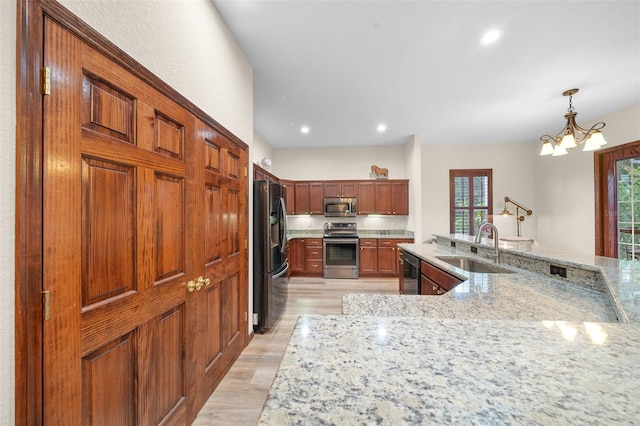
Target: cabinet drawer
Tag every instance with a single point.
(387, 243)
(439, 277)
(430, 288)
(313, 253)
(314, 242)
(314, 266)
(368, 242)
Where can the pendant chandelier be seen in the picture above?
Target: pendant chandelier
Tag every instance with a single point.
(572, 135)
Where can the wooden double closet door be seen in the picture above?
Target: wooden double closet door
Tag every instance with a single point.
(144, 246)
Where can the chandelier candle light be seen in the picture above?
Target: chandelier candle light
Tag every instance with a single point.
(519, 218)
(572, 135)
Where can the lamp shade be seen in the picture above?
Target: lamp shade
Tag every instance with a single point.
(597, 137)
(591, 145)
(559, 151)
(547, 148)
(568, 141)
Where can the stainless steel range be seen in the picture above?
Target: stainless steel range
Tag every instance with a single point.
(341, 252)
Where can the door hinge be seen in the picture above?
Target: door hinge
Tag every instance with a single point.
(246, 244)
(246, 171)
(46, 305)
(45, 78)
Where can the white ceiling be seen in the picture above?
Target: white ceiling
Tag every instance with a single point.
(342, 67)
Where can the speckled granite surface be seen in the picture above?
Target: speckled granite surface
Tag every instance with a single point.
(522, 295)
(362, 233)
(621, 277)
(344, 370)
(521, 349)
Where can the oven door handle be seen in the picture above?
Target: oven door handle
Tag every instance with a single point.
(341, 240)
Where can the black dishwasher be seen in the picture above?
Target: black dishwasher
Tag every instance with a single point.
(411, 273)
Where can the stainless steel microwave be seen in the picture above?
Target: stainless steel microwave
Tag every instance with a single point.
(340, 207)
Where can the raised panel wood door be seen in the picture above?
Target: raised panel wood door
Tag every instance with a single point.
(119, 233)
(220, 309)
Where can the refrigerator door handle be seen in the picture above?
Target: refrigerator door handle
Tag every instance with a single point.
(281, 273)
(283, 222)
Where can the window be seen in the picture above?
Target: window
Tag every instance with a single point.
(617, 174)
(471, 200)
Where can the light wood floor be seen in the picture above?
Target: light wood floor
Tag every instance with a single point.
(239, 398)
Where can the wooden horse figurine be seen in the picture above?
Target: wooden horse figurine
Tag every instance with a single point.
(379, 171)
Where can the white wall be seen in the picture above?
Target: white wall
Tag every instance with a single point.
(7, 207)
(338, 162)
(187, 45)
(413, 161)
(513, 168)
(565, 187)
(260, 149)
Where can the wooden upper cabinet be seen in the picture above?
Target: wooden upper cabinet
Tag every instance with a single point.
(341, 189)
(383, 201)
(289, 195)
(308, 198)
(389, 197)
(316, 198)
(400, 196)
(365, 198)
(301, 198)
(332, 189)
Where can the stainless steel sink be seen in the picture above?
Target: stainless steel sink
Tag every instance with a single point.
(473, 265)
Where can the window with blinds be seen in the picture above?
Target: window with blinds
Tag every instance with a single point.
(471, 200)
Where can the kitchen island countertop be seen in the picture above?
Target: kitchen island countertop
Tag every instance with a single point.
(473, 360)
(347, 370)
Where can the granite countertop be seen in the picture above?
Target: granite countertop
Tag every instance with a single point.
(621, 278)
(520, 348)
(348, 370)
(521, 295)
(363, 233)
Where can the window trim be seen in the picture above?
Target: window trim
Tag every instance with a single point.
(470, 173)
(606, 208)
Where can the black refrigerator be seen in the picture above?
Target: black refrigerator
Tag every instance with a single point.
(270, 265)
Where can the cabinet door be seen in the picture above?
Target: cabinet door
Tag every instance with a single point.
(387, 257)
(349, 189)
(365, 198)
(382, 198)
(289, 196)
(400, 195)
(429, 287)
(331, 189)
(441, 278)
(296, 255)
(368, 257)
(316, 198)
(301, 198)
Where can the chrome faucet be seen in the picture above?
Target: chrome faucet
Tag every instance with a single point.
(496, 253)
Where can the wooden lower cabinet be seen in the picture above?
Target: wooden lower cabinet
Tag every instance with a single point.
(295, 254)
(305, 256)
(435, 281)
(379, 257)
(368, 262)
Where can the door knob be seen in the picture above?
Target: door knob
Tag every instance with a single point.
(202, 282)
(191, 285)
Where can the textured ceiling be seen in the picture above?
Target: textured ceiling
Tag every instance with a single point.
(342, 67)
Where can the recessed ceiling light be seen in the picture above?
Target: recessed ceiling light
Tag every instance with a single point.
(491, 36)
(381, 127)
(304, 129)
